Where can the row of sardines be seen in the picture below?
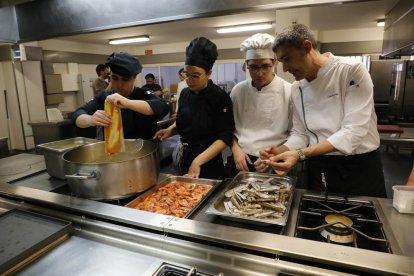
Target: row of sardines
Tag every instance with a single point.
(249, 197)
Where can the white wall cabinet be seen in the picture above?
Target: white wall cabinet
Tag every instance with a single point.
(23, 102)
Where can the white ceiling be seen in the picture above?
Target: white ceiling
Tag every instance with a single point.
(323, 17)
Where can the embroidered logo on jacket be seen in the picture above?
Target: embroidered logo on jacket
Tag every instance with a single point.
(333, 95)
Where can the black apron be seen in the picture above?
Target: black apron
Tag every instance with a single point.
(359, 174)
(213, 169)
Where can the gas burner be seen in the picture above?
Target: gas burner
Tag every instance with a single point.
(172, 270)
(338, 229)
(341, 221)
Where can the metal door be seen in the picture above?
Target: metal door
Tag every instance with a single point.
(396, 92)
(4, 109)
(408, 102)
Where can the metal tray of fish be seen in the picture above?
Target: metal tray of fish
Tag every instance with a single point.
(255, 198)
(166, 205)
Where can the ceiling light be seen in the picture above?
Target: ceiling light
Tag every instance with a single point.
(244, 28)
(126, 40)
(381, 23)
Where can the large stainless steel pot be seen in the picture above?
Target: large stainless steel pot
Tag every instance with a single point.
(91, 173)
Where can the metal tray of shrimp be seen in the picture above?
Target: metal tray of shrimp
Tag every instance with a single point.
(169, 202)
(255, 198)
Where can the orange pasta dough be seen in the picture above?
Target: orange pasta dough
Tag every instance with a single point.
(113, 132)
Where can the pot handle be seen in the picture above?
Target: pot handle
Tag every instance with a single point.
(82, 175)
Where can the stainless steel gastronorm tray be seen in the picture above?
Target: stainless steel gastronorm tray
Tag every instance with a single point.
(217, 207)
(53, 152)
(176, 180)
(25, 236)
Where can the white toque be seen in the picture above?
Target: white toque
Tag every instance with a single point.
(258, 46)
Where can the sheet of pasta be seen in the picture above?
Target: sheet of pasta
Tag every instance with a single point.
(114, 140)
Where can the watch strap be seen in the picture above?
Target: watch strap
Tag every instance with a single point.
(302, 156)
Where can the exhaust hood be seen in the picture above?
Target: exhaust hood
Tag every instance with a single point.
(399, 30)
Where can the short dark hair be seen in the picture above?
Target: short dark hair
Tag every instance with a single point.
(294, 36)
(180, 71)
(100, 68)
(150, 76)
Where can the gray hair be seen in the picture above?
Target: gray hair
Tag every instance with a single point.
(294, 35)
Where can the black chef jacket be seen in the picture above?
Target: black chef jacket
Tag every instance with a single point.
(135, 125)
(153, 87)
(202, 119)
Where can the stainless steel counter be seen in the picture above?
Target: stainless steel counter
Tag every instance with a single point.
(102, 248)
(19, 166)
(402, 226)
(269, 253)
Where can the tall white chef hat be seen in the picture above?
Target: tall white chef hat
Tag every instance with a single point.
(258, 46)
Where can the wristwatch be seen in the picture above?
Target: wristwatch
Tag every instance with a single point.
(301, 154)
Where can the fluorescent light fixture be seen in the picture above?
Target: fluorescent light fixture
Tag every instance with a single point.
(244, 28)
(381, 23)
(126, 40)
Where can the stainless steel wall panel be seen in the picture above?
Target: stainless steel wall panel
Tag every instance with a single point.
(352, 48)
(8, 22)
(64, 17)
(399, 32)
(86, 58)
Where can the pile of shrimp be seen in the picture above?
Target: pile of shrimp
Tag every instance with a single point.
(175, 199)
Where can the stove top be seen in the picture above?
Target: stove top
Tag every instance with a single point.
(341, 221)
(65, 190)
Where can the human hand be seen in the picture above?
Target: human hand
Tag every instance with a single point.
(267, 152)
(283, 162)
(158, 93)
(109, 87)
(410, 180)
(241, 159)
(100, 118)
(163, 134)
(118, 100)
(262, 164)
(194, 170)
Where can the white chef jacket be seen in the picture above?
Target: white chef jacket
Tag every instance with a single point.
(338, 106)
(181, 85)
(262, 117)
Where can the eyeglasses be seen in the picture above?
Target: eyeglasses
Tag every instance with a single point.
(257, 68)
(194, 76)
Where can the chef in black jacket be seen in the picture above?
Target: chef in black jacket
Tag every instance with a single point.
(140, 109)
(205, 115)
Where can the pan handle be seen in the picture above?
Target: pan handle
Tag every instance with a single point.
(82, 175)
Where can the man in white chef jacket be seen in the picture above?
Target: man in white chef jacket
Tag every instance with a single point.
(261, 105)
(181, 85)
(334, 122)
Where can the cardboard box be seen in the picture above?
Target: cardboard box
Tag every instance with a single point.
(54, 98)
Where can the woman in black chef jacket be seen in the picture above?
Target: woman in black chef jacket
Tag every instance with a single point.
(205, 115)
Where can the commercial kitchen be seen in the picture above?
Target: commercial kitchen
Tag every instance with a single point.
(59, 216)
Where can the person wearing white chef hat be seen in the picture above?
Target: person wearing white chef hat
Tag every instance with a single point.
(261, 105)
(334, 121)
